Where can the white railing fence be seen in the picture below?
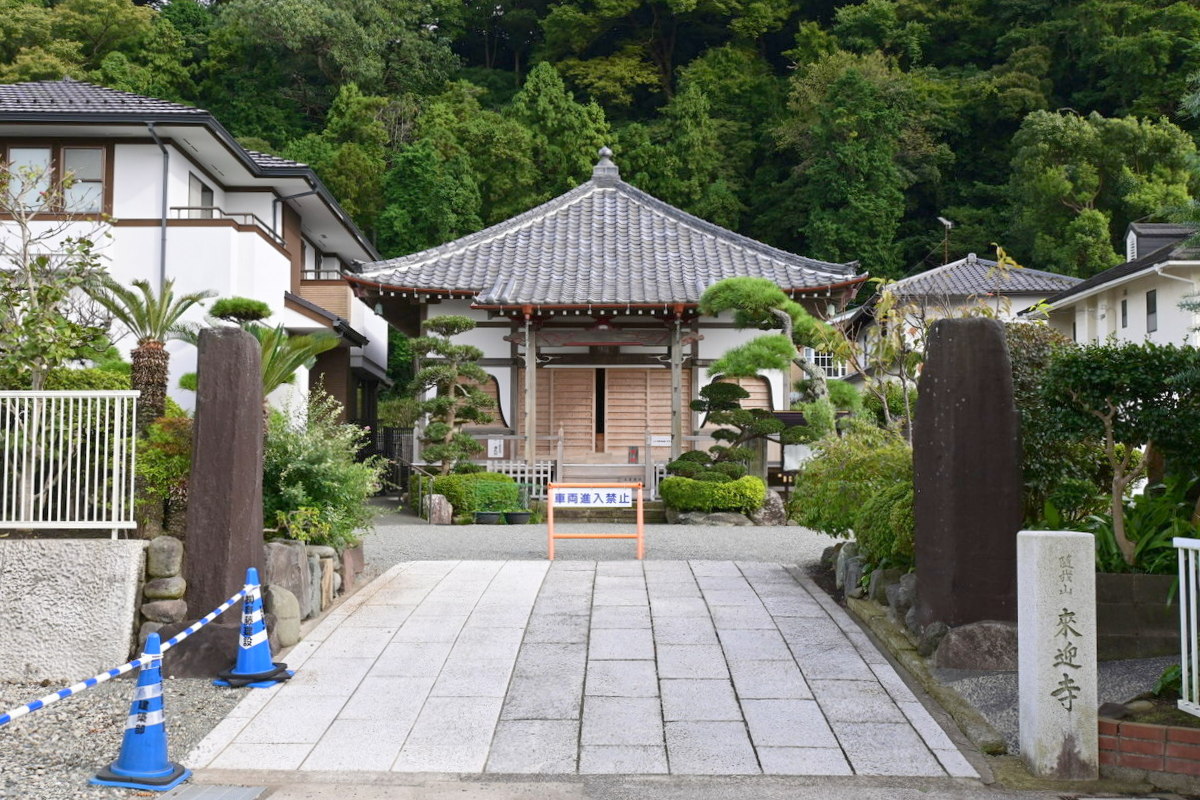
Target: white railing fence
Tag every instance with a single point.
(536, 475)
(67, 460)
(1188, 551)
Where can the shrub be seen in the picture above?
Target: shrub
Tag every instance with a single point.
(494, 496)
(1152, 520)
(164, 462)
(895, 403)
(744, 495)
(885, 527)
(459, 489)
(312, 466)
(90, 379)
(239, 310)
(844, 397)
(845, 473)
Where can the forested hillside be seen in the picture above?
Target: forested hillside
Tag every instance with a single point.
(835, 129)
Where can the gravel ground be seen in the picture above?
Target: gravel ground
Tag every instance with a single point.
(404, 537)
(50, 754)
(995, 693)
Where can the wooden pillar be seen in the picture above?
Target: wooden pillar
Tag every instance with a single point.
(676, 391)
(530, 392)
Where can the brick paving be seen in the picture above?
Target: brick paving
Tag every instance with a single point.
(611, 667)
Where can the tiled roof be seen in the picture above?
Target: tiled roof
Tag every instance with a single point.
(72, 96)
(271, 161)
(602, 243)
(977, 276)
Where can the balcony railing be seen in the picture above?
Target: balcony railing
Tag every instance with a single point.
(240, 217)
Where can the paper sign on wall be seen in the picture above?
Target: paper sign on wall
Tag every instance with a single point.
(660, 441)
(495, 448)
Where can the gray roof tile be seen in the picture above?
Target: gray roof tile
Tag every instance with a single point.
(975, 276)
(72, 96)
(602, 243)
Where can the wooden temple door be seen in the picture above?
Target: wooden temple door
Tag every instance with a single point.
(566, 399)
(637, 400)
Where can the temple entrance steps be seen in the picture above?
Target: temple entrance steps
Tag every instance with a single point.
(602, 473)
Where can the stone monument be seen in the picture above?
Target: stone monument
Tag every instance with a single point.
(1056, 580)
(967, 476)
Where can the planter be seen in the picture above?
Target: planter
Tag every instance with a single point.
(1133, 619)
(487, 517)
(517, 517)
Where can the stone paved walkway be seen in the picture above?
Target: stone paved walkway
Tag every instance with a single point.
(626, 667)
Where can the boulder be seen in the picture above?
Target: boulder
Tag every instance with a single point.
(287, 566)
(145, 631)
(351, 566)
(327, 573)
(849, 550)
(685, 517)
(281, 603)
(165, 611)
(989, 644)
(314, 585)
(931, 635)
(852, 581)
(829, 555)
(906, 596)
(172, 588)
(881, 580)
(437, 509)
(164, 557)
(772, 512)
(726, 519)
(910, 622)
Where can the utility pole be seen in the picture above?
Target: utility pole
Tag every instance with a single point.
(946, 239)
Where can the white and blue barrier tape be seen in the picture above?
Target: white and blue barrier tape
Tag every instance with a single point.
(96, 680)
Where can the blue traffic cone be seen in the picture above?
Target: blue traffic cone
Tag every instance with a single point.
(253, 667)
(143, 762)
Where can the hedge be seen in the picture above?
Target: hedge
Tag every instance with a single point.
(885, 526)
(461, 491)
(744, 495)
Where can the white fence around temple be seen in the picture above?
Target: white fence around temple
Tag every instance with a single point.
(67, 460)
(1188, 551)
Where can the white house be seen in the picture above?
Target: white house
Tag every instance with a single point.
(968, 286)
(183, 200)
(1138, 300)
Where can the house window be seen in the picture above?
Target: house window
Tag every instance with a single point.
(79, 169)
(1124, 313)
(201, 199)
(1151, 311)
(832, 367)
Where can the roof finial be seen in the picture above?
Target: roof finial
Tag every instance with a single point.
(605, 172)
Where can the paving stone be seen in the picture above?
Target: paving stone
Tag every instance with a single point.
(885, 749)
(618, 568)
(926, 727)
(473, 677)
(580, 605)
(699, 700)
(548, 660)
(446, 607)
(715, 569)
(356, 642)
(534, 746)
(620, 582)
(621, 644)
(792, 606)
(895, 685)
(679, 607)
(620, 597)
(754, 645)
(659, 591)
(768, 680)
(803, 761)
(710, 748)
(691, 661)
(622, 720)
(351, 745)
(955, 764)
(623, 760)
(452, 734)
(723, 583)
(787, 723)
(257, 755)
(499, 617)
(411, 659)
(684, 630)
(477, 643)
(855, 701)
(301, 720)
(337, 677)
(732, 597)
(544, 697)
(740, 617)
(835, 665)
(430, 629)
(387, 698)
(367, 616)
(622, 679)
(621, 617)
(556, 628)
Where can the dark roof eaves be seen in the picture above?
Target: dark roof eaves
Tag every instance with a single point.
(1126, 270)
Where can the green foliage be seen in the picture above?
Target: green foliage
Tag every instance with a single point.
(844, 397)
(466, 491)
(1170, 684)
(744, 495)
(1152, 519)
(239, 310)
(88, 379)
(885, 528)
(399, 412)
(845, 472)
(894, 394)
(164, 461)
(312, 465)
(453, 371)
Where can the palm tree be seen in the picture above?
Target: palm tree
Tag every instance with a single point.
(283, 354)
(154, 320)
